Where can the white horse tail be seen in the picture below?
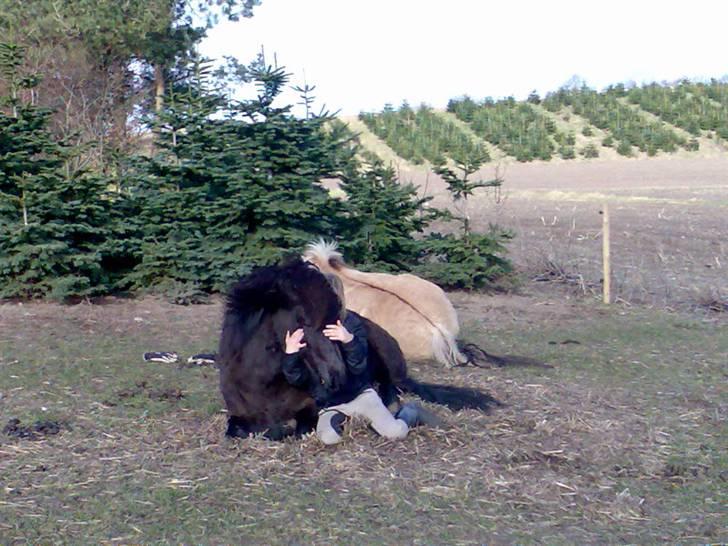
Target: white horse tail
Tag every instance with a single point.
(445, 348)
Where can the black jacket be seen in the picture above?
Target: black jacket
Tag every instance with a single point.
(358, 377)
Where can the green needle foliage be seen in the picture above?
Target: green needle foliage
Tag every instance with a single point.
(230, 186)
(607, 111)
(52, 219)
(224, 186)
(421, 135)
(467, 259)
(382, 216)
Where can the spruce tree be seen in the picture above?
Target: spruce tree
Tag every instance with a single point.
(466, 259)
(383, 217)
(176, 188)
(231, 185)
(288, 158)
(52, 219)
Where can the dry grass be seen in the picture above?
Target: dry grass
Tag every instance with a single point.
(624, 441)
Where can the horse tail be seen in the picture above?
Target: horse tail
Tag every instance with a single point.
(479, 357)
(455, 398)
(324, 254)
(445, 348)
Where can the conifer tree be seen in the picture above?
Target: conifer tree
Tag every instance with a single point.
(177, 187)
(466, 259)
(383, 217)
(52, 220)
(231, 186)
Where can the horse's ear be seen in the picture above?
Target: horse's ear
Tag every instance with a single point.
(289, 259)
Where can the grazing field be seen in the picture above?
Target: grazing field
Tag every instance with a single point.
(624, 440)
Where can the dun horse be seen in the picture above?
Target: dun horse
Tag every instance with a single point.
(416, 312)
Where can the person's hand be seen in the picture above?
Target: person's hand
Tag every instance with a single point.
(294, 341)
(338, 332)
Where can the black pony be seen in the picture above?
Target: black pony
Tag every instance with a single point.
(260, 309)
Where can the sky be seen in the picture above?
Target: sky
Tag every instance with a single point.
(363, 55)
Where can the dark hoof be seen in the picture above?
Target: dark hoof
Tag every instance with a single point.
(236, 428)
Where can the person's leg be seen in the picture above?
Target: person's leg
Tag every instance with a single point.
(370, 406)
(330, 426)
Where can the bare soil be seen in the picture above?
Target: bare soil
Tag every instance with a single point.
(668, 223)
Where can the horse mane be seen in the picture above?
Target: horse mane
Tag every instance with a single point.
(326, 252)
(269, 289)
(248, 302)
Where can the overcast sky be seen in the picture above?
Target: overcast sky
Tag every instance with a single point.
(364, 54)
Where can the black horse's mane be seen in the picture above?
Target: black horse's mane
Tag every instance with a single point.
(271, 288)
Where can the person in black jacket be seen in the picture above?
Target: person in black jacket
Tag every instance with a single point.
(355, 397)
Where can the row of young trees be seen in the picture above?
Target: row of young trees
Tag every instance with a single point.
(515, 127)
(422, 135)
(224, 186)
(621, 123)
(521, 130)
(690, 106)
(715, 89)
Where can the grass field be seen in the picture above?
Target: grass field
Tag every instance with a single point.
(623, 441)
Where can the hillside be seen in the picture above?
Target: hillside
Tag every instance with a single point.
(687, 119)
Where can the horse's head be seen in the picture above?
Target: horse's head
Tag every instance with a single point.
(276, 299)
(314, 304)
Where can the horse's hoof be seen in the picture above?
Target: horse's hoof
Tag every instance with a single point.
(236, 429)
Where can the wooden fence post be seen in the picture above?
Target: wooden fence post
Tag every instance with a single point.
(607, 270)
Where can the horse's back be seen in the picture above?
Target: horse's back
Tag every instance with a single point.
(405, 290)
(415, 311)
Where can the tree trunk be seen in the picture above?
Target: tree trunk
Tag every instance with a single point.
(25, 209)
(158, 87)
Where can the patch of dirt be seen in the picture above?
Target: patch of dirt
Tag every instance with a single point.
(153, 324)
(35, 431)
(668, 224)
(495, 308)
(142, 389)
